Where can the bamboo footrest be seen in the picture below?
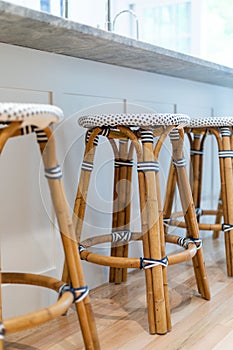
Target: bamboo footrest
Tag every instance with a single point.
(41, 316)
(175, 221)
(123, 262)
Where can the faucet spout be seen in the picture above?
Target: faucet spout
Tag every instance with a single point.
(132, 13)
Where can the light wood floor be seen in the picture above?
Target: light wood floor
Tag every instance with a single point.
(122, 319)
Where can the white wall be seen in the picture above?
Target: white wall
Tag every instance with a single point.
(29, 240)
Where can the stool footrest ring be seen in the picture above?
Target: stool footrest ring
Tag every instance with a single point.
(41, 316)
(191, 248)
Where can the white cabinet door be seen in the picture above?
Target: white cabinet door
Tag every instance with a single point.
(26, 225)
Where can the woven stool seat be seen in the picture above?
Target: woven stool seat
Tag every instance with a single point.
(211, 122)
(140, 120)
(17, 120)
(39, 115)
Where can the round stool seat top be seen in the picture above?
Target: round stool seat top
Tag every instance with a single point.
(140, 120)
(39, 115)
(211, 122)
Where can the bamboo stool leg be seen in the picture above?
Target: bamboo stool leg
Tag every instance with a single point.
(123, 152)
(169, 195)
(2, 143)
(225, 158)
(84, 180)
(122, 216)
(1, 325)
(222, 195)
(197, 147)
(156, 301)
(87, 166)
(154, 238)
(112, 270)
(189, 210)
(219, 215)
(196, 154)
(127, 203)
(83, 307)
(220, 201)
(145, 231)
(157, 149)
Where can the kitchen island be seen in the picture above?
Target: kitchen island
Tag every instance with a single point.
(46, 59)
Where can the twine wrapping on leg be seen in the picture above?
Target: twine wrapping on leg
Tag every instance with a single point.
(2, 331)
(78, 293)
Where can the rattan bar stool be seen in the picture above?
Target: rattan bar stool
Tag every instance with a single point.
(127, 134)
(21, 119)
(197, 132)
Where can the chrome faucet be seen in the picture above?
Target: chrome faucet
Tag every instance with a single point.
(64, 8)
(132, 13)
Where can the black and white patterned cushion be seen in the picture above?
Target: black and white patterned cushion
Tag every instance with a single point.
(40, 115)
(211, 122)
(140, 120)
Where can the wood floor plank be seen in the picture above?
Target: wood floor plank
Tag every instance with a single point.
(226, 343)
(121, 317)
